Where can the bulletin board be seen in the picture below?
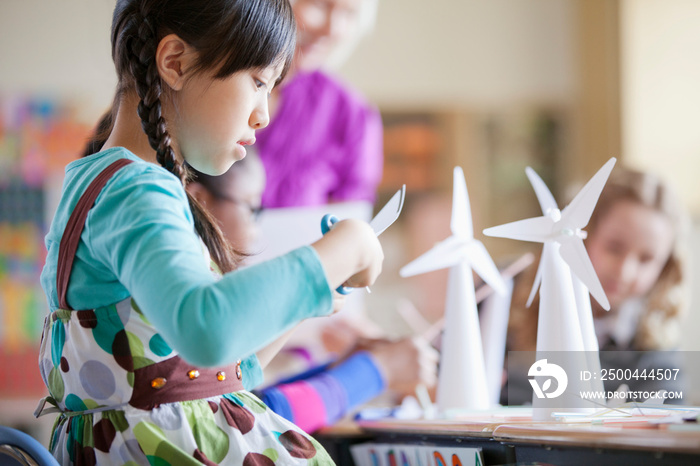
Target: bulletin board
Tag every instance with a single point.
(38, 137)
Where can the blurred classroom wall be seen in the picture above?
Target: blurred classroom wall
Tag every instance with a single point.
(660, 55)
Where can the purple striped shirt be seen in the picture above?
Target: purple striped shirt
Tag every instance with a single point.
(324, 144)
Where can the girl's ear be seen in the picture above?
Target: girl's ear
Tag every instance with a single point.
(173, 58)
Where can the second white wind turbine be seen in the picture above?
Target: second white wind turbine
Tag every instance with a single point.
(462, 382)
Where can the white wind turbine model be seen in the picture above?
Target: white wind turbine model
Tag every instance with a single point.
(564, 277)
(583, 301)
(462, 383)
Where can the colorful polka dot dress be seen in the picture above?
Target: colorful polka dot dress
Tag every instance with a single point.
(126, 398)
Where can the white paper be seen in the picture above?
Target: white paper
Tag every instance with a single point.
(284, 229)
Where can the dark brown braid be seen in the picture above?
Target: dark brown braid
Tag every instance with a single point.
(149, 88)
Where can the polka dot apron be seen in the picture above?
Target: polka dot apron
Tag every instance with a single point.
(126, 398)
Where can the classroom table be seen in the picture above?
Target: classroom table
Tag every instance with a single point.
(511, 441)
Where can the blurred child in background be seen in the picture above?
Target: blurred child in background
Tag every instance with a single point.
(636, 244)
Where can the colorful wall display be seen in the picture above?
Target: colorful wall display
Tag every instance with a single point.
(38, 137)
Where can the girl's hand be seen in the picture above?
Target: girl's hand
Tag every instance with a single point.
(351, 254)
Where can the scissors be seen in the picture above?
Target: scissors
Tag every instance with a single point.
(383, 220)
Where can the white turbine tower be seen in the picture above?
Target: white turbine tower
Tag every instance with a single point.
(462, 383)
(564, 277)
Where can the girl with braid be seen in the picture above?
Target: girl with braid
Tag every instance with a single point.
(154, 337)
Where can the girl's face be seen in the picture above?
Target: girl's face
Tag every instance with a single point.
(629, 248)
(236, 211)
(321, 26)
(216, 118)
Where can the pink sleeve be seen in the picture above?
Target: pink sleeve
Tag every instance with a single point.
(307, 406)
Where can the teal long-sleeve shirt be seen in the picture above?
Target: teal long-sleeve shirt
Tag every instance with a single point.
(139, 241)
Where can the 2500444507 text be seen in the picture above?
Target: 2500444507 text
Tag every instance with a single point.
(623, 375)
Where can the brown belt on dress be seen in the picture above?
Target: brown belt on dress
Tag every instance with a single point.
(174, 380)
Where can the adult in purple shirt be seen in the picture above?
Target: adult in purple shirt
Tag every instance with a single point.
(324, 143)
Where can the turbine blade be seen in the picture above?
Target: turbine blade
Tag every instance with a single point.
(461, 223)
(444, 254)
(537, 229)
(575, 255)
(538, 278)
(579, 211)
(544, 195)
(483, 265)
